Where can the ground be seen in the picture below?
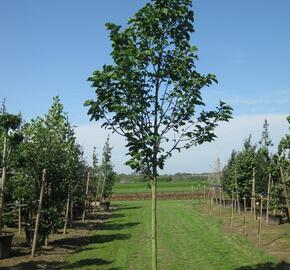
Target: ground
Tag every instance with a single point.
(188, 239)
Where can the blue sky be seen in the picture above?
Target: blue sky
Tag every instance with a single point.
(49, 48)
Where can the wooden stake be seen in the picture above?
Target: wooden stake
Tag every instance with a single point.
(268, 198)
(38, 212)
(237, 193)
(19, 216)
(253, 199)
(245, 213)
(86, 196)
(66, 212)
(232, 211)
(210, 204)
(260, 220)
(285, 191)
(192, 192)
(220, 203)
(204, 197)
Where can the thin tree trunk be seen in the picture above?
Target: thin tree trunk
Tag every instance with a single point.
(285, 191)
(66, 212)
(86, 196)
(237, 193)
(38, 213)
(3, 177)
(154, 223)
(71, 216)
(19, 216)
(254, 193)
(268, 199)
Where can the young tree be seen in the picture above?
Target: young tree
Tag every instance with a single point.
(240, 168)
(107, 172)
(151, 95)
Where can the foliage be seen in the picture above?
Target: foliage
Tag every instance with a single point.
(49, 143)
(151, 95)
(108, 175)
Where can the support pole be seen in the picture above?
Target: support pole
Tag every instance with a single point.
(232, 211)
(66, 212)
(86, 197)
(245, 213)
(285, 191)
(260, 220)
(19, 216)
(268, 198)
(38, 212)
(253, 199)
(220, 203)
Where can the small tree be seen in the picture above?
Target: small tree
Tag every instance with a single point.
(107, 172)
(152, 93)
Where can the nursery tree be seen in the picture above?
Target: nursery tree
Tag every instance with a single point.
(240, 168)
(11, 137)
(151, 95)
(107, 172)
(49, 143)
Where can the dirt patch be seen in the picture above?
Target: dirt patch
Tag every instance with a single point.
(53, 256)
(160, 196)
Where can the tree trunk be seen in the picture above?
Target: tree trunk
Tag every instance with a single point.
(66, 212)
(253, 200)
(3, 177)
(268, 199)
(86, 196)
(154, 224)
(71, 216)
(19, 216)
(38, 213)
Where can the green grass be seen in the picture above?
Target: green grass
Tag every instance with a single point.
(187, 239)
(162, 186)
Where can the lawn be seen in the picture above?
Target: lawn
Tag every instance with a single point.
(162, 186)
(187, 238)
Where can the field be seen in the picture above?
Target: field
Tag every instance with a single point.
(177, 186)
(195, 242)
(188, 238)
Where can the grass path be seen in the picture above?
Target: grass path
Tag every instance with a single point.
(187, 240)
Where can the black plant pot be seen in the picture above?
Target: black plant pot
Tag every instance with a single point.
(29, 233)
(5, 244)
(274, 219)
(264, 213)
(105, 206)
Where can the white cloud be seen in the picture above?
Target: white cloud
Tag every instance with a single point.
(197, 159)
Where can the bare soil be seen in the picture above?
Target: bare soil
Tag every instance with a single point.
(52, 256)
(160, 196)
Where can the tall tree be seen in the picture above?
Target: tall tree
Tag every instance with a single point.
(11, 136)
(151, 95)
(49, 143)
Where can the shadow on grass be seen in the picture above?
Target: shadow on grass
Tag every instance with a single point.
(35, 265)
(41, 264)
(266, 266)
(117, 226)
(122, 207)
(76, 242)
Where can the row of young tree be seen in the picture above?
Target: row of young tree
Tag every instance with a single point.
(270, 170)
(48, 143)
